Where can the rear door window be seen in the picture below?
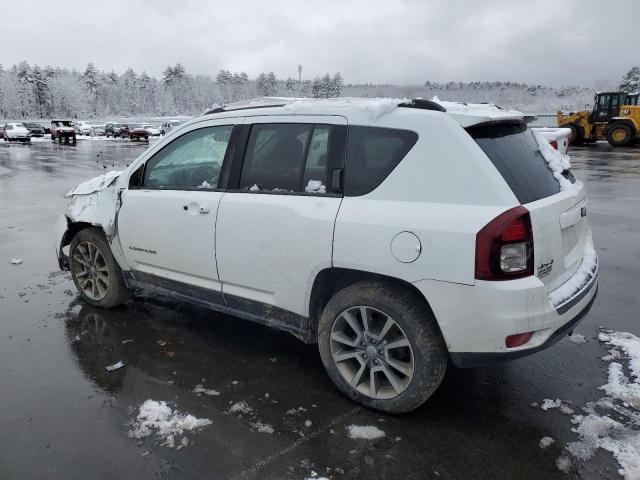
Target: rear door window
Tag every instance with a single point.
(290, 157)
(372, 154)
(515, 153)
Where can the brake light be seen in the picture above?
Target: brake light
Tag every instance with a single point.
(504, 247)
(554, 144)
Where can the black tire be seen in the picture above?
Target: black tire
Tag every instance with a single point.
(576, 137)
(73, 140)
(60, 139)
(414, 317)
(620, 135)
(116, 290)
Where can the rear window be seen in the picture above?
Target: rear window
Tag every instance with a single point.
(514, 152)
(372, 154)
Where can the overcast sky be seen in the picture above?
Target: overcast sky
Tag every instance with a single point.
(397, 41)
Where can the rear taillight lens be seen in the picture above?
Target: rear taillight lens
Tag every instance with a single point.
(554, 144)
(504, 247)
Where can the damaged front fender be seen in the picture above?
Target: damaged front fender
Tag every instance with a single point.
(94, 202)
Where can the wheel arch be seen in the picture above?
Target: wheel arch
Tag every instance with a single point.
(72, 229)
(331, 280)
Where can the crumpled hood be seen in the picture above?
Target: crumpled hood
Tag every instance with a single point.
(96, 184)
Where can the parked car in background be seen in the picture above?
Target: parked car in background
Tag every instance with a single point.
(46, 127)
(327, 222)
(168, 125)
(98, 129)
(153, 131)
(16, 132)
(35, 129)
(113, 129)
(83, 128)
(137, 132)
(63, 131)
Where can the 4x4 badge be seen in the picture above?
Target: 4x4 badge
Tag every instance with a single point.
(544, 268)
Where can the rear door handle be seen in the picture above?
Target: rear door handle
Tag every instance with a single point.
(193, 208)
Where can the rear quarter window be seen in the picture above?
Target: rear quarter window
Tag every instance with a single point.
(515, 153)
(372, 154)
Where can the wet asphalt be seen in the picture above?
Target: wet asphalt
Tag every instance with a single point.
(63, 416)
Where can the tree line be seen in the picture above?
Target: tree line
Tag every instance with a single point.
(31, 91)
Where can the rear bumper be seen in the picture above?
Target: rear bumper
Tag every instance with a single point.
(475, 329)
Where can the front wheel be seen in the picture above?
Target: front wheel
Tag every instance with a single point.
(381, 346)
(95, 272)
(576, 136)
(619, 135)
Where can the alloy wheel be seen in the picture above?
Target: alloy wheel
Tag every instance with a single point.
(90, 270)
(372, 352)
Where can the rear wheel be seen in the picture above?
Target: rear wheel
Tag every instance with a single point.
(381, 346)
(619, 135)
(576, 137)
(95, 272)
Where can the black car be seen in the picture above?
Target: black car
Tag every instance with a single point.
(35, 129)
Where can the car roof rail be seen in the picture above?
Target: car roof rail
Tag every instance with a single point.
(423, 104)
(223, 109)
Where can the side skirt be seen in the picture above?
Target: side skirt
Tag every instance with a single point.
(257, 312)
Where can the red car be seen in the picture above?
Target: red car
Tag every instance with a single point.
(137, 132)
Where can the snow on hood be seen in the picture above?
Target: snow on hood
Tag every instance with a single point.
(96, 184)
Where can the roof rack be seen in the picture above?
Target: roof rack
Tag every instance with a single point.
(223, 109)
(423, 104)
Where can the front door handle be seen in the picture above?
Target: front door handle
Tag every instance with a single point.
(194, 208)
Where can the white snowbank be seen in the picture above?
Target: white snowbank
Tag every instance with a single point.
(315, 186)
(563, 463)
(158, 417)
(95, 184)
(620, 386)
(16, 261)
(367, 432)
(583, 275)
(546, 442)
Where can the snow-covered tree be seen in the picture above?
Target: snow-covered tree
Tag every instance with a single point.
(631, 80)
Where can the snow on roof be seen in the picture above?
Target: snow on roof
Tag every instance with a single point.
(371, 109)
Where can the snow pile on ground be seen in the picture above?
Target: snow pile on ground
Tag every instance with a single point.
(546, 442)
(597, 428)
(263, 427)
(95, 184)
(367, 432)
(315, 186)
(314, 476)
(199, 389)
(578, 280)
(548, 404)
(158, 417)
(577, 338)
(240, 407)
(16, 261)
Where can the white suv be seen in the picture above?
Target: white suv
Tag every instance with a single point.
(397, 235)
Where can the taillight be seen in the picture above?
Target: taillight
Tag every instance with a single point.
(504, 246)
(554, 144)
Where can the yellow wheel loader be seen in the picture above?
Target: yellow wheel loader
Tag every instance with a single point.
(615, 117)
